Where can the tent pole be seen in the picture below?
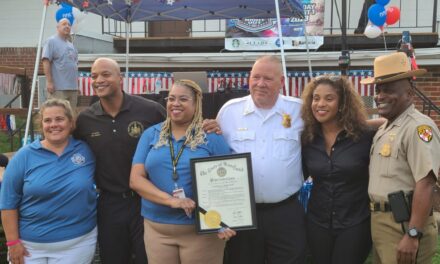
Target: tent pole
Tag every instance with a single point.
(283, 59)
(127, 50)
(34, 77)
(306, 35)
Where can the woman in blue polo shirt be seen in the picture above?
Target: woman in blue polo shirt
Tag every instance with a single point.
(47, 199)
(163, 153)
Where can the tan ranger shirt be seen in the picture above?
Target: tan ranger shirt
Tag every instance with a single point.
(403, 153)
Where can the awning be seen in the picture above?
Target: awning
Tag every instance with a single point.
(156, 10)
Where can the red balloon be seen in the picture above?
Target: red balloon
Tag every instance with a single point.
(393, 15)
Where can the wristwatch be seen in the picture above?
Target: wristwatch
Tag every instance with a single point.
(414, 233)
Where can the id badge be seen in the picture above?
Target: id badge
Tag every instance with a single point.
(179, 193)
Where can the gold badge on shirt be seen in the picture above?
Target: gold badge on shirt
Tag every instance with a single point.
(425, 133)
(287, 121)
(386, 150)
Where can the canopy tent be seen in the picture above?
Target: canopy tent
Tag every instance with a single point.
(154, 10)
(161, 10)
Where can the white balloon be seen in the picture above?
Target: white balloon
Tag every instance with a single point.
(76, 27)
(372, 31)
(78, 15)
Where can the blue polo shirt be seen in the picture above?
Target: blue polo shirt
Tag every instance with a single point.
(158, 165)
(54, 195)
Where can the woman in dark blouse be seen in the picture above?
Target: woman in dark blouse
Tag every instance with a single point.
(336, 147)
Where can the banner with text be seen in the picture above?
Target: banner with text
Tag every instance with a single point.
(262, 34)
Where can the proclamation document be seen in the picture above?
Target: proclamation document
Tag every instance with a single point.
(224, 193)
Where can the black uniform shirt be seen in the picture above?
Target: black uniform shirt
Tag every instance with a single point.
(114, 140)
(339, 197)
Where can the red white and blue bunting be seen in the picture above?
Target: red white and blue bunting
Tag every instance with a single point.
(138, 82)
(154, 82)
(296, 80)
(220, 81)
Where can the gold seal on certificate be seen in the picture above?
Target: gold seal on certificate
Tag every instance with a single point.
(213, 219)
(223, 191)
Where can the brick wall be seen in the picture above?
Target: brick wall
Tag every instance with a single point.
(24, 58)
(430, 86)
(20, 57)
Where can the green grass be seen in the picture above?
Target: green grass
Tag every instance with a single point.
(5, 141)
(436, 259)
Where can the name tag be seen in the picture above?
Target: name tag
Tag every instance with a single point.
(179, 193)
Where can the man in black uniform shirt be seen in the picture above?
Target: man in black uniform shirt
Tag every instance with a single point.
(112, 127)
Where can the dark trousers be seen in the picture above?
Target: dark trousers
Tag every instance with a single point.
(120, 229)
(279, 239)
(339, 246)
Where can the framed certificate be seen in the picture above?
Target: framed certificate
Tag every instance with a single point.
(224, 192)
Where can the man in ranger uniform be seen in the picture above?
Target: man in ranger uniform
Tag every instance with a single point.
(404, 163)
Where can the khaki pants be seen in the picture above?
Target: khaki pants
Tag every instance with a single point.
(69, 95)
(180, 244)
(386, 235)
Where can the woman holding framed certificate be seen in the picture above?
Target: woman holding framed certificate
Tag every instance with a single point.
(161, 175)
(336, 153)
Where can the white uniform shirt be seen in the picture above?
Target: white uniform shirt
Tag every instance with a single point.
(275, 148)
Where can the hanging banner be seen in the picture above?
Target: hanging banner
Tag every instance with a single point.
(262, 34)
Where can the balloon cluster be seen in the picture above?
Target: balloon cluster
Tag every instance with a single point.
(73, 14)
(379, 16)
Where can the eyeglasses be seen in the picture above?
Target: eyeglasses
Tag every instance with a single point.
(181, 99)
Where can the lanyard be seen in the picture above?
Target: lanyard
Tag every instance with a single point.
(174, 160)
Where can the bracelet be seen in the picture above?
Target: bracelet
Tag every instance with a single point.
(13, 242)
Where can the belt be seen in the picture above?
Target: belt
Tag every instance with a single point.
(380, 207)
(272, 205)
(123, 195)
(385, 207)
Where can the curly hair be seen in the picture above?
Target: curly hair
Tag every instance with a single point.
(195, 135)
(351, 114)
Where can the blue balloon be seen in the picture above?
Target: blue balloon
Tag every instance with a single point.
(64, 13)
(383, 2)
(66, 5)
(377, 14)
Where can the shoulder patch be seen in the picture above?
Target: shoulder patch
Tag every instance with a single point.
(425, 133)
